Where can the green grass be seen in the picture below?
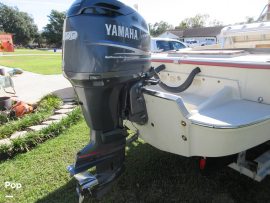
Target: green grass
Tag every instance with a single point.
(29, 51)
(46, 65)
(34, 138)
(44, 110)
(43, 169)
(42, 64)
(151, 176)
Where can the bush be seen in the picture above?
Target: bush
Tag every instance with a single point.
(49, 102)
(3, 118)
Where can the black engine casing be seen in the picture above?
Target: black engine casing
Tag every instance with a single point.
(106, 45)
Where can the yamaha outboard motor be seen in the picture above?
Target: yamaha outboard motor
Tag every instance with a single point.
(106, 57)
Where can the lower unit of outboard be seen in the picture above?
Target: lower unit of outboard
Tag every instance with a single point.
(105, 56)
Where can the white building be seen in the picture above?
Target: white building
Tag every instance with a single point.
(173, 34)
(201, 35)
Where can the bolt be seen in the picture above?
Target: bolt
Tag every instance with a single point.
(260, 99)
(183, 123)
(184, 137)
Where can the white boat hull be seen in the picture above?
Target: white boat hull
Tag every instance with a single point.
(172, 129)
(225, 111)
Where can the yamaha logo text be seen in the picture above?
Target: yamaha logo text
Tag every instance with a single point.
(121, 31)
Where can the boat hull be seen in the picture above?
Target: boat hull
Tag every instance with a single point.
(225, 111)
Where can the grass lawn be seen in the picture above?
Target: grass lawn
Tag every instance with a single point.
(151, 176)
(42, 64)
(43, 170)
(29, 51)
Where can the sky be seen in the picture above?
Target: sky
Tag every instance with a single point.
(171, 11)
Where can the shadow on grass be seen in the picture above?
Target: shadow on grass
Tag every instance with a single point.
(155, 176)
(65, 193)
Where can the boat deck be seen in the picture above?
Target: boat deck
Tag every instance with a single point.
(217, 112)
(233, 114)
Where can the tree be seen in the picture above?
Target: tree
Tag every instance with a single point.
(53, 31)
(215, 23)
(159, 28)
(39, 39)
(249, 19)
(18, 23)
(198, 20)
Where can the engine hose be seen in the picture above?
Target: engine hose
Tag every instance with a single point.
(183, 86)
